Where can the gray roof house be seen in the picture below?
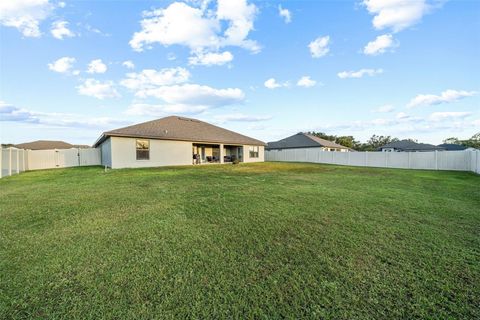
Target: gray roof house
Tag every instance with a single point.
(305, 140)
(409, 146)
(176, 140)
(48, 145)
(452, 147)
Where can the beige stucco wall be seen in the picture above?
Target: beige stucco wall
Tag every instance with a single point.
(162, 153)
(120, 152)
(246, 154)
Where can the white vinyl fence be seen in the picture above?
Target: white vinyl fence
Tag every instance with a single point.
(13, 160)
(435, 160)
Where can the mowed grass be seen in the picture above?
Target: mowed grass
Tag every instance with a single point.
(266, 240)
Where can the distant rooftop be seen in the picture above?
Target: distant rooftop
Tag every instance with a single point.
(303, 140)
(46, 145)
(407, 145)
(452, 147)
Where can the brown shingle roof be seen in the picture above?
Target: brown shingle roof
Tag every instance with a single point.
(180, 128)
(44, 145)
(325, 143)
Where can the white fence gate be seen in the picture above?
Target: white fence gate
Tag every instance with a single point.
(435, 160)
(13, 160)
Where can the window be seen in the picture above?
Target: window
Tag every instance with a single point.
(143, 149)
(253, 151)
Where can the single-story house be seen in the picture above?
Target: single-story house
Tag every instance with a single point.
(452, 147)
(305, 140)
(175, 141)
(48, 145)
(409, 146)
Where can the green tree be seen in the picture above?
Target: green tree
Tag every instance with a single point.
(347, 141)
(376, 142)
(452, 140)
(473, 142)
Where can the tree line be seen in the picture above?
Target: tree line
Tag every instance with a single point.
(376, 141)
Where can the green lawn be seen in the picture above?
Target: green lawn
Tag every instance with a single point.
(267, 240)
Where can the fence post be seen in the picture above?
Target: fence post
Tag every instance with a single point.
(18, 162)
(1, 161)
(366, 158)
(409, 161)
(348, 157)
(10, 161)
(436, 159)
(476, 161)
(386, 159)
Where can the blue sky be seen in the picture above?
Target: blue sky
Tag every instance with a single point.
(410, 69)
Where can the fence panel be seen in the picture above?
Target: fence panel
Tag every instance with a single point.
(475, 161)
(13, 161)
(453, 160)
(358, 158)
(42, 159)
(90, 157)
(5, 162)
(397, 160)
(438, 160)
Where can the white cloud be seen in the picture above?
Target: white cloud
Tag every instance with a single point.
(25, 15)
(128, 64)
(446, 96)
(210, 58)
(396, 14)
(306, 82)
(169, 85)
(450, 116)
(60, 30)
(273, 84)
(360, 73)
(240, 117)
(380, 45)
(195, 95)
(240, 16)
(150, 78)
(157, 110)
(384, 109)
(402, 116)
(11, 113)
(199, 28)
(97, 66)
(62, 65)
(285, 14)
(98, 89)
(319, 47)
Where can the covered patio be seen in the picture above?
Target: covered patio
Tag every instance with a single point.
(203, 153)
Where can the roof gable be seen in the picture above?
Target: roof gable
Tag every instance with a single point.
(180, 128)
(303, 140)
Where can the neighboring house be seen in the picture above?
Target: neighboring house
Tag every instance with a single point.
(305, 140)
(452, 147)
(175, 141)
(409, 146)
(44, 145)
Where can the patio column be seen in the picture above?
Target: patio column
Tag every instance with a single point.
(221, 153)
